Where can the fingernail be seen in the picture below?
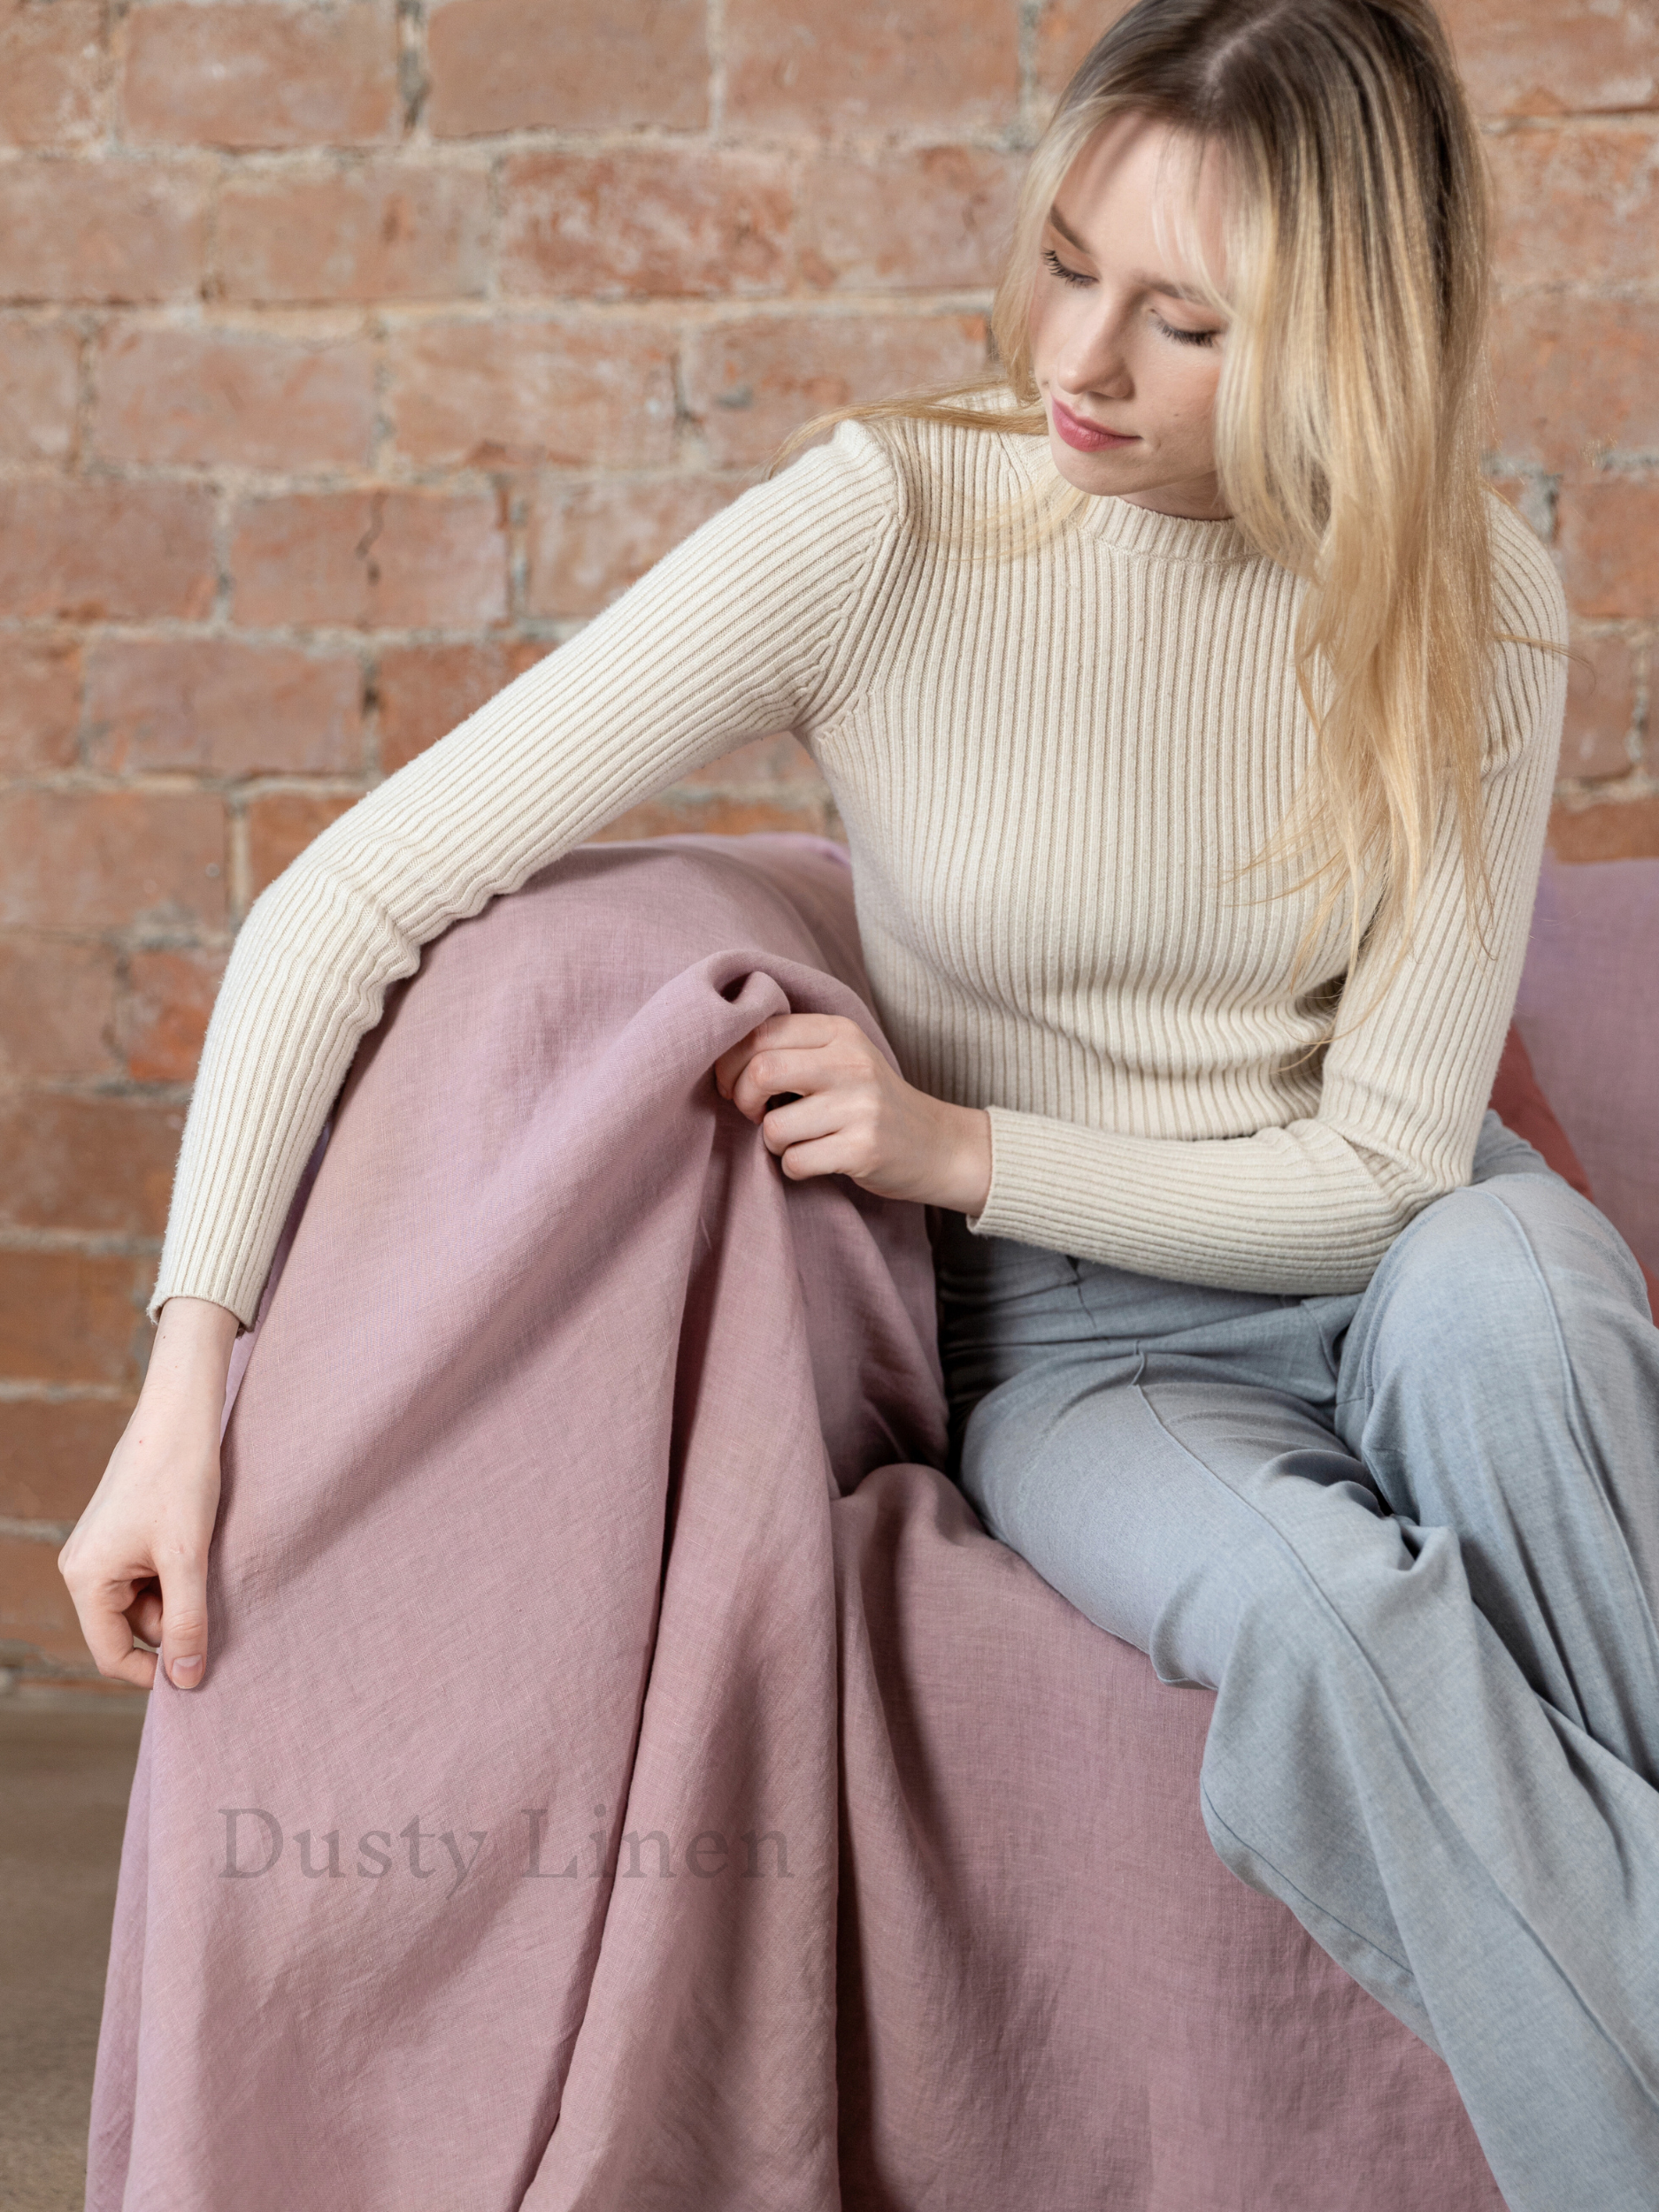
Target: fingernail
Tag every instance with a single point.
(185, 1671)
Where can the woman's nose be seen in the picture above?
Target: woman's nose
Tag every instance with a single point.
(1094, 362)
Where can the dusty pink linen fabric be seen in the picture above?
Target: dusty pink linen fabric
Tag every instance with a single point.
(583, 1486)
(1588, 1007)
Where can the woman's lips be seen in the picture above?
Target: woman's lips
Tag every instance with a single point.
(1083, 434)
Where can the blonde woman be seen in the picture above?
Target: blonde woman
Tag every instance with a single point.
(1193, 709)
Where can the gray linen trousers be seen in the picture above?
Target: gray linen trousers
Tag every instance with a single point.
(1410, 1535)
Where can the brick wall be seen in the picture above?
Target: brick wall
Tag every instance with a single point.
(352, 357)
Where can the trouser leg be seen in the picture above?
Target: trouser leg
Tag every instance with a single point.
(1417, 1657)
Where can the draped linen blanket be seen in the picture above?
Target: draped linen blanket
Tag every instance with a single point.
(627, 1775)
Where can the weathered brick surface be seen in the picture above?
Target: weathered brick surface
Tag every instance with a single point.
(665, 221)
(52, 1453)
(100, 550)
(104, 230)
(242, 399)
(39, 703)
(164, 1012)
(1609, 537)
(40, 371)
(110, 859)
(945, 66)
(101, 1164)
(383, 559)
(53, 71)
(259, 73)
(58, 1010)
(388, 230)
(567, 64)
(353, 356)
(226, 704)
(515, 394)
(72, 1318)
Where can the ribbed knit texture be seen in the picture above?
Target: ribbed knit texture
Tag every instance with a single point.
(1047, 767)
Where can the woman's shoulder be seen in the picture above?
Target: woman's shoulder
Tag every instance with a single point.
(928, 467)
(1529, 595)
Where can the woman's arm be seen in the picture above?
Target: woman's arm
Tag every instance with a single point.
(750, 625)
(1313, 1206)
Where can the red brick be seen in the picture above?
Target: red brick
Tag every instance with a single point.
(658, 220)
(99, 551)
(39, 705)
(588, 543)
(1610, 534)
(51, 72)
(1573, 56)
(385, 230)
(1066, 29)
(101, 1164)
(932, 218)
(281, 825)
(488, 395)
(764, 762)
(36, 1608)
(69, 1316)
(566, 64)
(40, 367)
(1601, 707)
(1610, 829)
(163, 1017)
(400, 560)
(52, 1453)
(751, 383)
(214, 396)
(425, 690)
(1572, 201)
(1576, 378)
(106, 859)
(681, 812)
(255, 75)
(100, 230)
(940, 65)
(223, 704)
(57, 1010)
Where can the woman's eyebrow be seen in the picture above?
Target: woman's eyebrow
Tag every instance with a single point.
(1141, 277)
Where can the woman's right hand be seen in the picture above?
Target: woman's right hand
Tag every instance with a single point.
(136, 1560)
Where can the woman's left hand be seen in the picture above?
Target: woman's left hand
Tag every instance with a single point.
(854, 1116)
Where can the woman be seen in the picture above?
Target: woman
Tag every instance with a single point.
(1265, 1345)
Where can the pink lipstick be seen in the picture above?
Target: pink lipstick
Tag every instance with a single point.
(1085, 435)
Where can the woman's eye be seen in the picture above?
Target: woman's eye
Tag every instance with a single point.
(1185, 337)
(1065, 275)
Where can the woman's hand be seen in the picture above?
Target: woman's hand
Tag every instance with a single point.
(136, 1560)
(853, 1116)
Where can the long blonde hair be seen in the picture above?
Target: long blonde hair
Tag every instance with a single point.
(1352, 399)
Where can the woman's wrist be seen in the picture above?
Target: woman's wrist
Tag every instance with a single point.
(193, 1344)
(965, 1160)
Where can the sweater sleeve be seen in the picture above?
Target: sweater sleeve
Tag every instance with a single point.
(1312, 1206)
(741, 630)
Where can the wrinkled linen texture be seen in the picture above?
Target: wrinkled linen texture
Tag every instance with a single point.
(629, 1775)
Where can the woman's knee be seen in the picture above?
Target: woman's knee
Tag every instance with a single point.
(1492, 1273)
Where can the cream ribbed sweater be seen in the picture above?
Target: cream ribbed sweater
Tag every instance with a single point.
(1046, 768)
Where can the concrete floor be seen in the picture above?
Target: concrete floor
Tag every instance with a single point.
(65, 1769)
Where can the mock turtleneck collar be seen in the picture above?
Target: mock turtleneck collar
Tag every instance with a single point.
(1127, 528)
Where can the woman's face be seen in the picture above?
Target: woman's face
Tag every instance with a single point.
(1115, 344)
